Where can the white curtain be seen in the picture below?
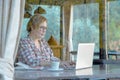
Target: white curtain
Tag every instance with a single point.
(11, 15)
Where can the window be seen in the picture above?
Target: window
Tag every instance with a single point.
(113, 26)
(86, 25)
(53, 18)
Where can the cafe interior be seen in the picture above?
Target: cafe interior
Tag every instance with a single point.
(88, 20)
(70, 22)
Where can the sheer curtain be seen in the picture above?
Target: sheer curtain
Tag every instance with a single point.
(11, 15)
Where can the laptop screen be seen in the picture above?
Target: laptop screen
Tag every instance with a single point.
(85, 55)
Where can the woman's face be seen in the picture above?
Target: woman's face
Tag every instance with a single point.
(41, 31)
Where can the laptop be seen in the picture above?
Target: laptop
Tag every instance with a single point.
(85, 55)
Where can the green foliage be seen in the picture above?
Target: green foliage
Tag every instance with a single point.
(85, 25)
(114, 25)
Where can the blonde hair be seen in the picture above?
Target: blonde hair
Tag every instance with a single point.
(35, 21)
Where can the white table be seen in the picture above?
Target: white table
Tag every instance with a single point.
(96, 72)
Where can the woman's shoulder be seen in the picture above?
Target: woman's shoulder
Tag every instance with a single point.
(25, 43)
(25, 40)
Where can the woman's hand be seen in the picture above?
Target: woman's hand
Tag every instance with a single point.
(67, 64)
(45, 63)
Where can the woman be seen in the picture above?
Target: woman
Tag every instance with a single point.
(34, 50)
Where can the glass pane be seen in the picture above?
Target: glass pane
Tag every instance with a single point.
(86, 25)
(113, 33)
(53, 18)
